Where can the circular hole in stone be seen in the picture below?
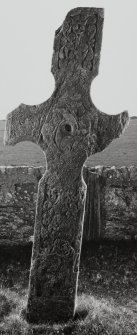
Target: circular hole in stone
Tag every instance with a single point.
(68, 127)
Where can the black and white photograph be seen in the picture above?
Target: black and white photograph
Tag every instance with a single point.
(68, 167)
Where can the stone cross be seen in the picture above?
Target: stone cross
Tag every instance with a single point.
(68, 128)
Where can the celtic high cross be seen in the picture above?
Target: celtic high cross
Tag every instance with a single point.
(68, 128)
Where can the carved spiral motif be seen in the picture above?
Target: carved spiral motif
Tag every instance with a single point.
(60, 128)
(63, 248)
(65, 131)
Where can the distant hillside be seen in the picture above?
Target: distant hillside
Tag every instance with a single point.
(122, 151)
(2, 125)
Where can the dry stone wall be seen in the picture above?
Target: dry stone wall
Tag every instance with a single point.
(111, 208)
(111, 204)
(18, 192)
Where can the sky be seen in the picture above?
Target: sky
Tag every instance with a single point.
(27, 30)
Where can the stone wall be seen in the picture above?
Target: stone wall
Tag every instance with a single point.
(18, 191)
(111, 206)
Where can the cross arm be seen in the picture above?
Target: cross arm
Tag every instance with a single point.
(25, 123)
(105, 128)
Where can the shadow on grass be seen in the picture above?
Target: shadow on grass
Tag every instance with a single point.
(107, 292)
(15, 265)
(97, 317)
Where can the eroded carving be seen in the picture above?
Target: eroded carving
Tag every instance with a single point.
(69, 128)
(75, 41)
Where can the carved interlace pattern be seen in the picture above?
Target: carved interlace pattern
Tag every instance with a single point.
(75, 41)
(68, 127)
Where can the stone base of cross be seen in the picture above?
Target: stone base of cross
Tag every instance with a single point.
(68, 128)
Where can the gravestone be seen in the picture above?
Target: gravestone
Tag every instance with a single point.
(68, 128)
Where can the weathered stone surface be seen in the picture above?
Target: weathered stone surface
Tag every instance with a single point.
(69, 128)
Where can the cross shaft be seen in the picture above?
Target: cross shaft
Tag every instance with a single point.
(68, 128)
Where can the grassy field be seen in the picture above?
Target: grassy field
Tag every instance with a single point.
(107, 295)
(119, 153)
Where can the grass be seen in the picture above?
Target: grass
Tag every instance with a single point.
(107, 294)
(120, 152)
(102, 317)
